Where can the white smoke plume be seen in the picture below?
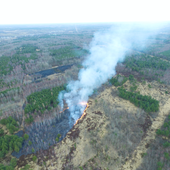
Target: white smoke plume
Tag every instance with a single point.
(106, 49)
(60, 99)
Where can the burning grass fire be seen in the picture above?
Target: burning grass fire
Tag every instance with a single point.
(64, 109)
(41, 135)
(83, 103)
(84, 113)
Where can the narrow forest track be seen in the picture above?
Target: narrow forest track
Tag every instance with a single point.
(136, 160)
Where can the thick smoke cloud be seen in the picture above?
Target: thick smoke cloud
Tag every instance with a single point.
(106, 49)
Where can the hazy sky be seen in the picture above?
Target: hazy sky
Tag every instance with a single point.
(77, 11)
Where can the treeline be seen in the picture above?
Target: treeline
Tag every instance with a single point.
(8, 84)
(2, 83)
(42, 100)
(26, 48)
(11, 166)
(29, 120)
(68, 52)
(22, 60)
(138, 63)
(165, 131)
(5, 67)
(33, 38)
(118, 80)
(19, 58)
(10, 123)
(145, 102)
(165, 55)
(8, 91)
(10, 95)
(10, 143)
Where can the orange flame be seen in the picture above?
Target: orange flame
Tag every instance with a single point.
(83, 103)
(84, 113)
(64, 109)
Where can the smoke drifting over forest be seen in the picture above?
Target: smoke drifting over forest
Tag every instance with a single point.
(107, 48)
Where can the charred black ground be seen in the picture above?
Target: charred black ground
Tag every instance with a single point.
(43, 135)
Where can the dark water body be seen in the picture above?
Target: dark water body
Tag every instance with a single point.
(44, 135)
(59, 69)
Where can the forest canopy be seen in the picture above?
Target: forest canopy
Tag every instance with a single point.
(26, 48)
(10, 123)
(144, 102)
(118, 80)
(42, 100)
(138, 63)
(10, 143)
(68, 52)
